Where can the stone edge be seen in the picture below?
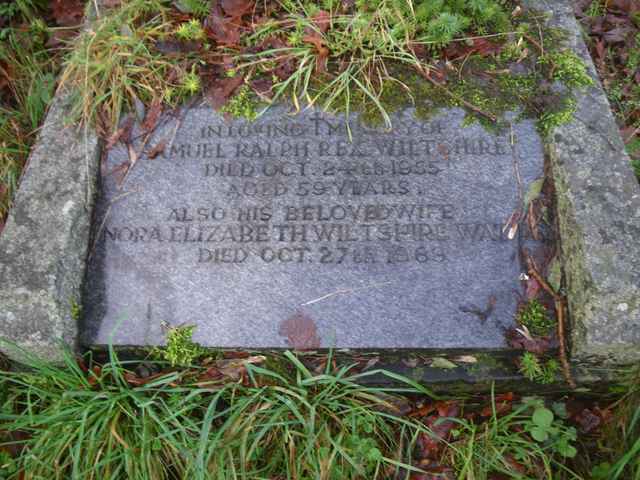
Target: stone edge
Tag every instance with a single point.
(44, 245)
(600, 248)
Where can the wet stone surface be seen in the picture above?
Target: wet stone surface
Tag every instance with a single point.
(251, 230)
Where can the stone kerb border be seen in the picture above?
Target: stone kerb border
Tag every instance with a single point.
(44, 245)
(599, 219)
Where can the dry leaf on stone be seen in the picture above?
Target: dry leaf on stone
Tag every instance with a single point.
(157, 149)
(300, 331)
(221, 89)
(152, 116)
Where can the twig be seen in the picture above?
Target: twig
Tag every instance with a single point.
(534, 42)
(470, 106)
(560, 303)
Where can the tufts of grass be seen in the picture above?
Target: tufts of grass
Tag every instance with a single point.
(305, 425)
(103, 421)
(114, 64)
(95, 425)
(27, 72)
(621, 442)
(530, 441)
(349, 61)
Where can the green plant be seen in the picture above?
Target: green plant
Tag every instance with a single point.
(94, 424)
(538, 371)
(242, 104)
(505, 446)
(113, 64)
(348, 63)
(545, 428)
(93, 421)
(27, 88)
(76, 309)
(566, 67)
(534, 316)
(191, 30)
(304, 425)
(180, 349)
(201, 8)
(621, 439)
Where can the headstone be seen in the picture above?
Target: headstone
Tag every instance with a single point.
(310, 229)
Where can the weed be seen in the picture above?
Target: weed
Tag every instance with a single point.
(180, 349)
(242, 104)
(113, 64)
(534, 316)
(76, 309)
(95, 422)
(535, 370)
(191, 30)
(505, 446)
(94, 425)
(200, 8)
(28, 87)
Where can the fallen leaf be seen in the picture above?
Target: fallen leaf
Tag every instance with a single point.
(466, 359)
(152, 116)
(300, 331)
(221, 89)
(122, 134)
(157, 149)
(236, 8)
(588, 421)
(443, 363)
(67, 13)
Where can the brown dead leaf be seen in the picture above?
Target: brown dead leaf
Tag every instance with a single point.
(67, 13)
(300, 331)
(122, 134)
(222, 30)
(153, 116)
(157, 149)
(221, 89)
(236, 8)
(322, 19)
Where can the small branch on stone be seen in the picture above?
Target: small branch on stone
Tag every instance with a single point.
(534, 42)
(468, 105)
(560, 304)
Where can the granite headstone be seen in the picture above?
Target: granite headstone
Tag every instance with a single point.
(382, 238)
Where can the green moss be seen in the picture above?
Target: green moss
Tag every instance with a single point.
(533, 315)
(180, 348)
(76, 309)
(243, 104)
(553, 118)
(566, 67)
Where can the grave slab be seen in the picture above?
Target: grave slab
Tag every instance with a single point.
(286, 230)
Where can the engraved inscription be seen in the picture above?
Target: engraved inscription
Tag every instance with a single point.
(298, 191)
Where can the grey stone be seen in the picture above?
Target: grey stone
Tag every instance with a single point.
(599, 220)
(225, 232)
(44, 243)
